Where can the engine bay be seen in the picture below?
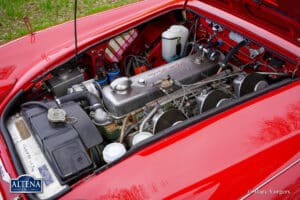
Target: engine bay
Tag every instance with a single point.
(89, 112)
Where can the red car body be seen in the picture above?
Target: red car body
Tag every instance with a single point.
(248, 151)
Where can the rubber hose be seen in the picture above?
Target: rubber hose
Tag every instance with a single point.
(233, 51)
(84, 95)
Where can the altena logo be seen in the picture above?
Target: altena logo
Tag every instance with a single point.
(26, 184)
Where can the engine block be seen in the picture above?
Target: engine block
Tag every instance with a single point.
(145, 87)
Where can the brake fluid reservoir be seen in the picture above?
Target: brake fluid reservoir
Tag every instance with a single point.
(174, 42)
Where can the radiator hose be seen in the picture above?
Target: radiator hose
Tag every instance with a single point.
(92, 99)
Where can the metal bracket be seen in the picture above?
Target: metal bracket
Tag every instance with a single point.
(255, 52)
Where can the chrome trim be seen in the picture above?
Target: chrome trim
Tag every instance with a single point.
(271, 179)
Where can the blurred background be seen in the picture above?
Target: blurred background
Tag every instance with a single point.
(45, 13)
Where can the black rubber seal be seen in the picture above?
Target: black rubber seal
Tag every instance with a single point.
(10, 145)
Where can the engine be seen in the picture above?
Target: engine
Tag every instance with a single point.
(129, 110)
(130, 88)
(128, 94)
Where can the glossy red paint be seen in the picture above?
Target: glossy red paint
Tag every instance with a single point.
(277, 16)
(9, 168)
(5, 87)
(30, 56)
(225, 155)
(249, 27)
(284, 186)
(229, 153)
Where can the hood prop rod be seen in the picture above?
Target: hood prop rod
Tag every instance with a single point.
(75, 32)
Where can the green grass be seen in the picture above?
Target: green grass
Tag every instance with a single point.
(45, 13)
